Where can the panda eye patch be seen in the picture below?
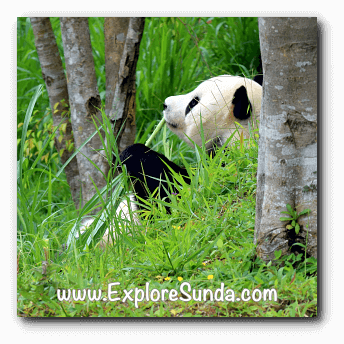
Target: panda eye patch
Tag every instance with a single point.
(191, 105)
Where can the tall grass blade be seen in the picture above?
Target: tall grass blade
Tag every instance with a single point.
(25, 126)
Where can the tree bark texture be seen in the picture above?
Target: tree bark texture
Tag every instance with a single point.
(287, 161)
(123, 105)
(84, 101)
(115, 31)
(56, 84)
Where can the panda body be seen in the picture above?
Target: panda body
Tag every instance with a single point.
(219, 103)
(147, 170)
(124, 212)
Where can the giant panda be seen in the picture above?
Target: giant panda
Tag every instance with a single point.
(224, 104)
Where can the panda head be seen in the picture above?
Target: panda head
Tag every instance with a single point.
(220, 103)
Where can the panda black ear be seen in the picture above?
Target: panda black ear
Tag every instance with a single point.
(242, 107)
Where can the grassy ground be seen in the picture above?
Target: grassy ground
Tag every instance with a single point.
(207, 241)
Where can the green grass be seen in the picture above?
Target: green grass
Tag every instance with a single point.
(207, 241)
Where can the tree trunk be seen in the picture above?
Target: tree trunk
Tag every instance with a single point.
(287, 161)
(115, 31)
(121, 106)
(56, 84)
(84, 100)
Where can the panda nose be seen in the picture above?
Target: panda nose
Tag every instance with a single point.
(165, 106)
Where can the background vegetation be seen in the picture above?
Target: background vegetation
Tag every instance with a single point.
(209, 238)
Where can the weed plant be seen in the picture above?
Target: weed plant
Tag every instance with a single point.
(208, 237)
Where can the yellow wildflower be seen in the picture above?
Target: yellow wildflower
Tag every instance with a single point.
(210, 277)
(180, 279)
(167, 278)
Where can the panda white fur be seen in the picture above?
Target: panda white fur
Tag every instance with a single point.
(219, 102)
(124, 212)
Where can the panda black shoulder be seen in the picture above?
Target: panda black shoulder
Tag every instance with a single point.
(149, 169)
(148, 158)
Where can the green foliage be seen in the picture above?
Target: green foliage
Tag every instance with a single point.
(294, 216)
(171, 62)
(209, 237)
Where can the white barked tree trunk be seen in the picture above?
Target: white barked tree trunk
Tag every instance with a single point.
(123, 104)
(56, 84)
(84, 102)
(287, 162)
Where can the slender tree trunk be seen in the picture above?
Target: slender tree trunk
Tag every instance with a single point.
(84, 100)
(115, 31)
(56, 83)
(123, 105)
(287, 162)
